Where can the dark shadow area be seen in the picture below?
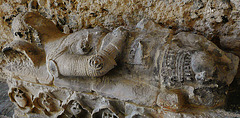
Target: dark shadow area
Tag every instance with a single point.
(233, 97)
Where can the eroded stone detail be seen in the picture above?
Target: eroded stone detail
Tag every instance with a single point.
(105, 113)
(47, 103)
(21, 98)
(74, 74)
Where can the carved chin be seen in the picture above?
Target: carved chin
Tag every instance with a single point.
(21, 102)
(75, 111)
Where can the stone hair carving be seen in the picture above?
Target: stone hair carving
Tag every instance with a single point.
(21, 98)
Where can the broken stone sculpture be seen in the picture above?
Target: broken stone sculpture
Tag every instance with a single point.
(21, 98)
(104, 113)
(74, 108)
(47, 103)
(61, 50)
(139, 72)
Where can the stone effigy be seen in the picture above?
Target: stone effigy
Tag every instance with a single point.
(140, 72)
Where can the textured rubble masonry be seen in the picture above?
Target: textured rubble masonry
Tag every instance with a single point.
(107, 59)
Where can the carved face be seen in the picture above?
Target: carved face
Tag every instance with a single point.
(47, 102)
(19, 97)
(82, 46)
(74, 108)
(19, 28)
(203, 66)
(108, 114)
(104, 113)
(22, 31)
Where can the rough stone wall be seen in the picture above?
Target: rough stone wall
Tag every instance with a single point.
(213, 18)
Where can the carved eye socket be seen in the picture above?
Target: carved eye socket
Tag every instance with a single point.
(20, 91)
(96, 62)
(15, 89)
(19, 34)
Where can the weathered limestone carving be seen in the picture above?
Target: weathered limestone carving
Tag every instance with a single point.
(92, 65)
(198, 67)
(74, 108)
(157, 70)
(55, 47)
(104, 113)
(48, 104)
(21, 98)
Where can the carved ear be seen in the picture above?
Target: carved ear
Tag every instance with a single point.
(33, 53)
(52, 68)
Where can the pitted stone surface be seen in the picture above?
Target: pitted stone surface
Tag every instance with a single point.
(58, 59)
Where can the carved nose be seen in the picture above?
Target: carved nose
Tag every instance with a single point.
(201, 76)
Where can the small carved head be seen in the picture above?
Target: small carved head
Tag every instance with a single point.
(21, 98)
(47, 103)
(22, 31)
(105, 113)
(74, 108)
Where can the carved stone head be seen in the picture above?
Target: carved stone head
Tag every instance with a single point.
(21, 98)
(47, 103)
(104, 113)
(22, 31)
(74, 108)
